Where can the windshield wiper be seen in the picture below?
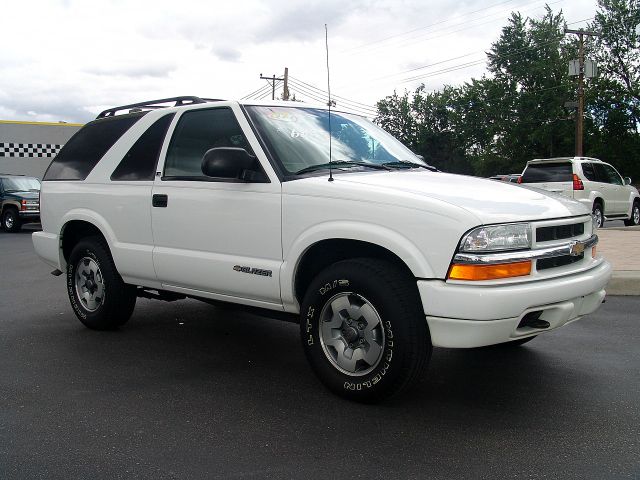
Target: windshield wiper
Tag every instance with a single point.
(341, 164)
(407, 164)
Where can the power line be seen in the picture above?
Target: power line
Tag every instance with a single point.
(315, 93)
(255, 92)
(317, 96)
(466, 64)
(270, 90)
(423, 28)
(344, 99)
(420, 37)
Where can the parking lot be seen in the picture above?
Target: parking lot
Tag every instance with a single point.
(186, 390)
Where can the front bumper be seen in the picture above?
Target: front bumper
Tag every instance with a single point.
(466, 316)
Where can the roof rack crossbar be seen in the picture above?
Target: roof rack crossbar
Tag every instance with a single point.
(153, 104)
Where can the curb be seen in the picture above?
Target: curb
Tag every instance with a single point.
(624, 282)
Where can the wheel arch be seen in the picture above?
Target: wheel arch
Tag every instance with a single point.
(80, 224)
(10, 204)
(335, 241)
(598, 199)
(326, 252)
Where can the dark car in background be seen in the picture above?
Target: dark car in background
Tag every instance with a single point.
(19, 201)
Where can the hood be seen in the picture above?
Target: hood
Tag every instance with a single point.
(489, 200)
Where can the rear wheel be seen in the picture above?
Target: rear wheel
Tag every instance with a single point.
(635, 215)
(363, 329)
(10, 220)
(98, 295)
(598, 214)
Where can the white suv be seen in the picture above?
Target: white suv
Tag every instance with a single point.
(294, 211)
(592, 182)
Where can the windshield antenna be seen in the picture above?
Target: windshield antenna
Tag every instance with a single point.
(326, 44)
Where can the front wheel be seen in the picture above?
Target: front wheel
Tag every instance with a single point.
(635, 215)
(363, 329)
(598, 214)
(98, 295)
(11, 220)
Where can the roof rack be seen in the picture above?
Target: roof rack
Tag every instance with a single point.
(153, 104)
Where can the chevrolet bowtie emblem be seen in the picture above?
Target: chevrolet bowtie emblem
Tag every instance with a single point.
(577, 249)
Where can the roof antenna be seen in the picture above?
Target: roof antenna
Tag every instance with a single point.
(326, 44)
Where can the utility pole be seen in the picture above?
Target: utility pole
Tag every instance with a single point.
(580, 112)
(272, 80)
(285, 90)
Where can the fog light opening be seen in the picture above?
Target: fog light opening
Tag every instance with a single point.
(532, 320)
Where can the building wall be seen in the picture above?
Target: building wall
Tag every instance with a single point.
(27, 148)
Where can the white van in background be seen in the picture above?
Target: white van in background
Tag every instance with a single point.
(591, 181)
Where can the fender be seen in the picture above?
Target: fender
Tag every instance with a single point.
(95, 219)
(389, 239)
(632, 198)
(133, 262)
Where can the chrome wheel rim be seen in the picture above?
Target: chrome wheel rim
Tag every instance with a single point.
(597, 213)
(8, 220)
(351, 334)
(636, 215)
(89, 284)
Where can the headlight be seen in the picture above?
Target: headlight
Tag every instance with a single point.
(493, 238)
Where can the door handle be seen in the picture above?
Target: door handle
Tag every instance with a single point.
(160, 200)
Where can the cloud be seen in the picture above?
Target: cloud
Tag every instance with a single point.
(227, 54)
(137, 70)
(305, 22)
(78, 59)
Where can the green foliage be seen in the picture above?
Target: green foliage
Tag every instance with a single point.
(517, 111)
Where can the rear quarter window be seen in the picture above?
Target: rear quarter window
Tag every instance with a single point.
(589, 172)
(85, 149)
(548, 172)
(142, 158)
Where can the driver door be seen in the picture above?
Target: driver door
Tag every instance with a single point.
(215, 237)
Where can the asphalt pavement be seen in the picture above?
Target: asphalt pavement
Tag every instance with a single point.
(186, 390)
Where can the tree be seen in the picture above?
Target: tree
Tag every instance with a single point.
(516, 112)
(616, 48)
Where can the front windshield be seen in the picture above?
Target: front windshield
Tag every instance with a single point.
(299, 138)
(21, 184)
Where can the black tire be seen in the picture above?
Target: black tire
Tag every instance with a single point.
(10, 220)
(114, 300)
(598, 212)
(635, 215)
(402, 333)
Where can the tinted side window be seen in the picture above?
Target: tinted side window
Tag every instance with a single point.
(548, 172)
(612, 175)
(85, 149)
(196, 132)
(140, 161)
(601, 173)
(589, 172)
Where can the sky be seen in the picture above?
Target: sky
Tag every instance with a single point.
(67, 60)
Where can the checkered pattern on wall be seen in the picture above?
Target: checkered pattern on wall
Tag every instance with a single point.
(29, 150)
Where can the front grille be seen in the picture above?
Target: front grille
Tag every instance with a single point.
(554, 262)
(559, 232)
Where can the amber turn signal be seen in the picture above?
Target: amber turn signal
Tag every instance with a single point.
(489, 272)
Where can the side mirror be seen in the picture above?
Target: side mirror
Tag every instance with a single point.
(627, 180)
(232, 163)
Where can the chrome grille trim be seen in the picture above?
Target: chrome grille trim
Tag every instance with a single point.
(567, 248)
